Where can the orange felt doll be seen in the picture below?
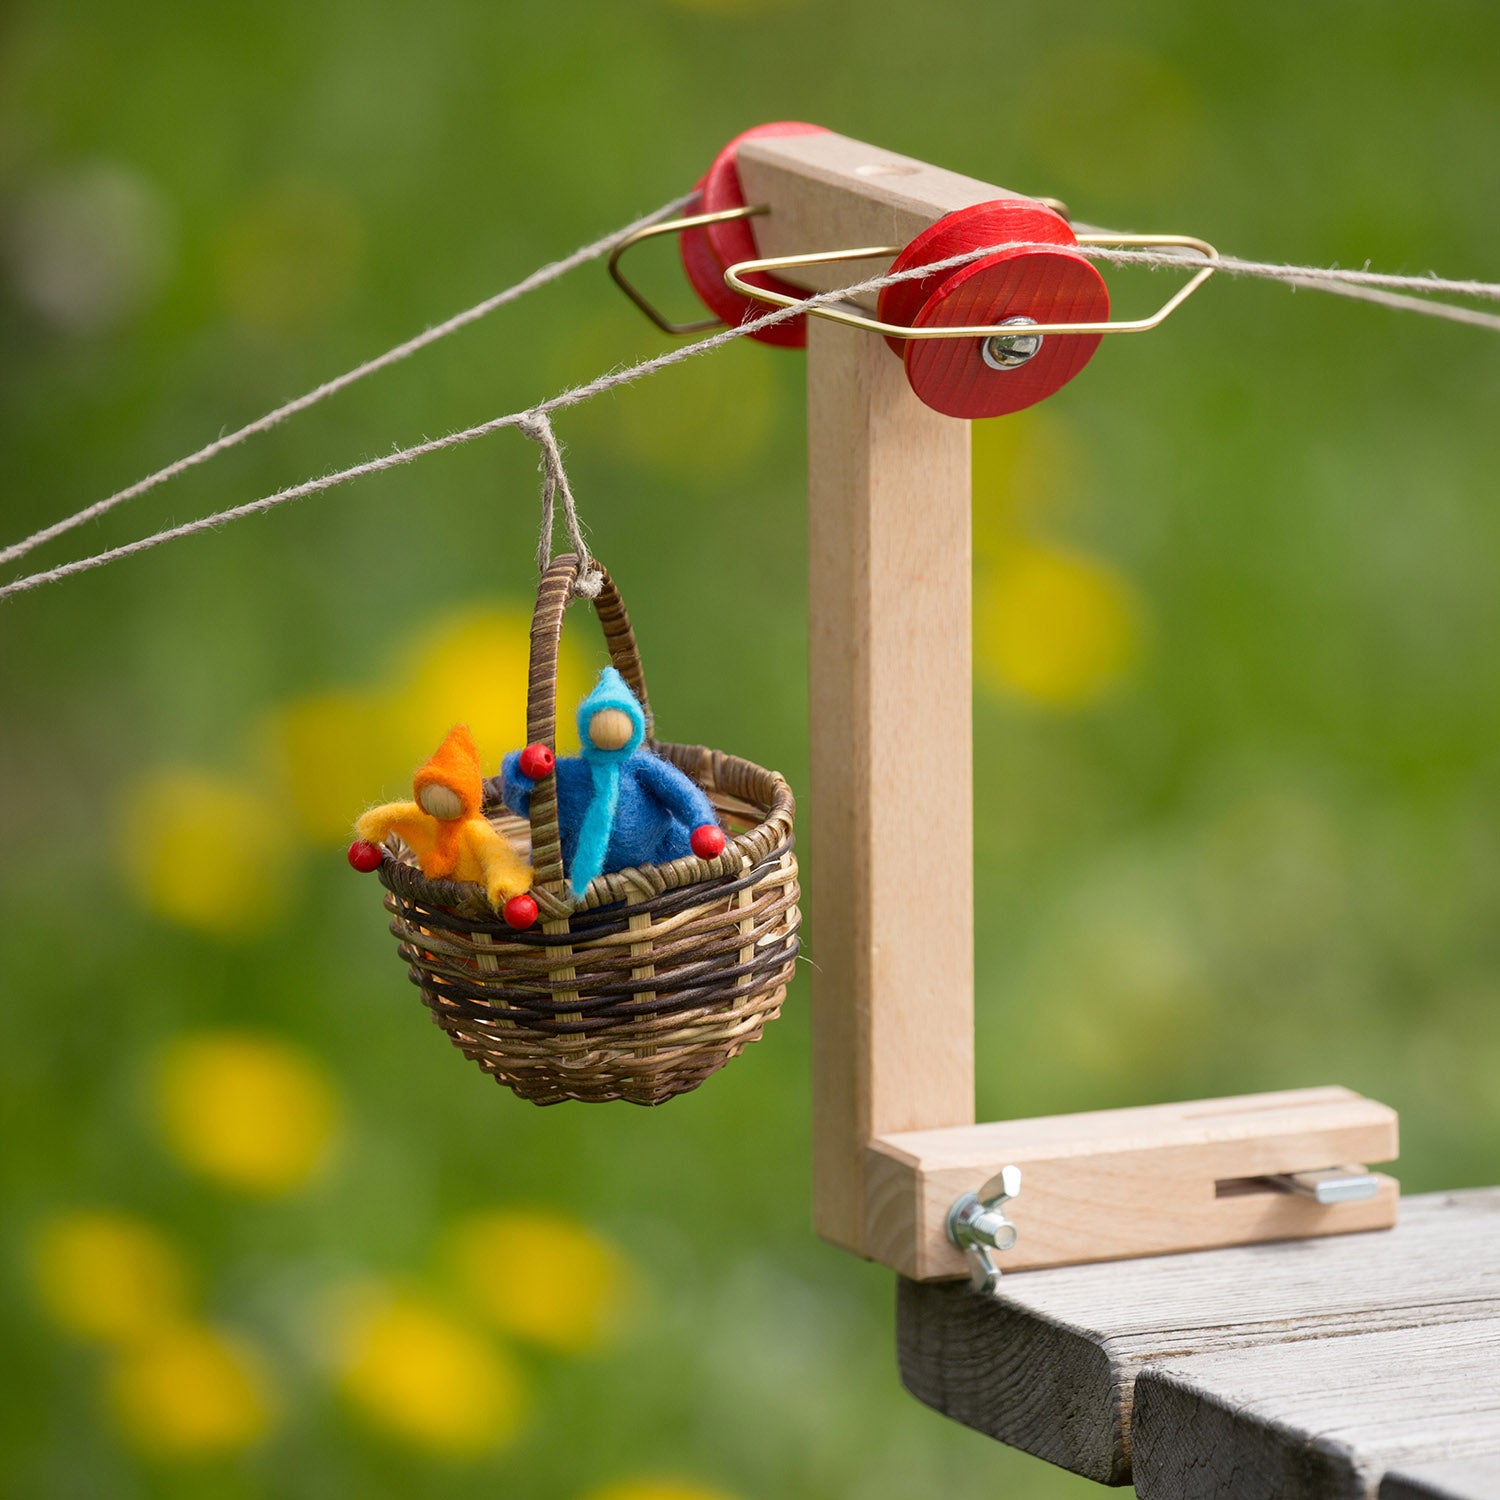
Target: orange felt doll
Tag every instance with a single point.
(445, 827)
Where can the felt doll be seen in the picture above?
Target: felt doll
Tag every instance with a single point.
(451, 837)
(618, 804)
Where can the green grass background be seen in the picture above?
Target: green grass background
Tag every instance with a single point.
(1272, 858)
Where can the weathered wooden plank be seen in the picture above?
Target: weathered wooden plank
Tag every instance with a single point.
(1050, 1363)
(1452, 1479)
(1321, 1419)
(1021, 1377)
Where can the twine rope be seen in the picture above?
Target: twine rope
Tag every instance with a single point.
(1403, 303)
(538, 278)
(610, 381)
(1363, 285)
(1380, 287)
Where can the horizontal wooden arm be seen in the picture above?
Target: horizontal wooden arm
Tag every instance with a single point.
(1118, 1183)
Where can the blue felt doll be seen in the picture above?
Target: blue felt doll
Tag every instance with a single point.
(618, 804)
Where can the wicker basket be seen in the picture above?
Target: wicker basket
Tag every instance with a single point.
(658, 975)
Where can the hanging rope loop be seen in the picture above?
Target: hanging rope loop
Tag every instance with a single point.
(537, 425)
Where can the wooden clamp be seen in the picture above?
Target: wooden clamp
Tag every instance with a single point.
(1124, 1182)
(891, 900)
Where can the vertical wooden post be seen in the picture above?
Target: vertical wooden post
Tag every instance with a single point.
(891, 795)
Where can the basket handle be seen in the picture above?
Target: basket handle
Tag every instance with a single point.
(553, 596)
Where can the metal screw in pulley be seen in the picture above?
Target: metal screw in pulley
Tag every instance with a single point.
(977, 1225)
(1002, 351)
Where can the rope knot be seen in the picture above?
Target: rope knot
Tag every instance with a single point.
(537, 425)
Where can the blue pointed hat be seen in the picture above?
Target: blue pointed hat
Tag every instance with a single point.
(611, 691)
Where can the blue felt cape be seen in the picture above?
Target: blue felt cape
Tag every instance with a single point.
(615, 808)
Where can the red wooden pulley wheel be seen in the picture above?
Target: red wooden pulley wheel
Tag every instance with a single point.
(975, 377)
(709, 250)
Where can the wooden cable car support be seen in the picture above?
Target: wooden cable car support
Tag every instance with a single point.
(1196, 1313)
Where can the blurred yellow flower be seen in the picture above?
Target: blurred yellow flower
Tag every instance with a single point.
(655, 1489)
(471, 668)
(333, 757)
(419, 1373)
(103, 1274)
(1054, 626)
(541, 1276)
(190, 1391)
(204, 850)
(255, 1112)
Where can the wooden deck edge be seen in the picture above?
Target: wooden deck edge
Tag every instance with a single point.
(1189, 1446)
(1049, 1390)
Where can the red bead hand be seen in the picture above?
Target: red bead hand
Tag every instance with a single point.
(365, 856)
(707, 841)
(520, 911)
(537, 761)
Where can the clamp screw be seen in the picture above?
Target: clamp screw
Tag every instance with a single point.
(977, 1225)
(1002, 351)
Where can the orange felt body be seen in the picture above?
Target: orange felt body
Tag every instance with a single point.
(465, 847)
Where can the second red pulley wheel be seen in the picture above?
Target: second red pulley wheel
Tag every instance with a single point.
(709, 249)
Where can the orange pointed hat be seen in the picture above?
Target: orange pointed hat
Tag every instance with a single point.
(455, 765)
